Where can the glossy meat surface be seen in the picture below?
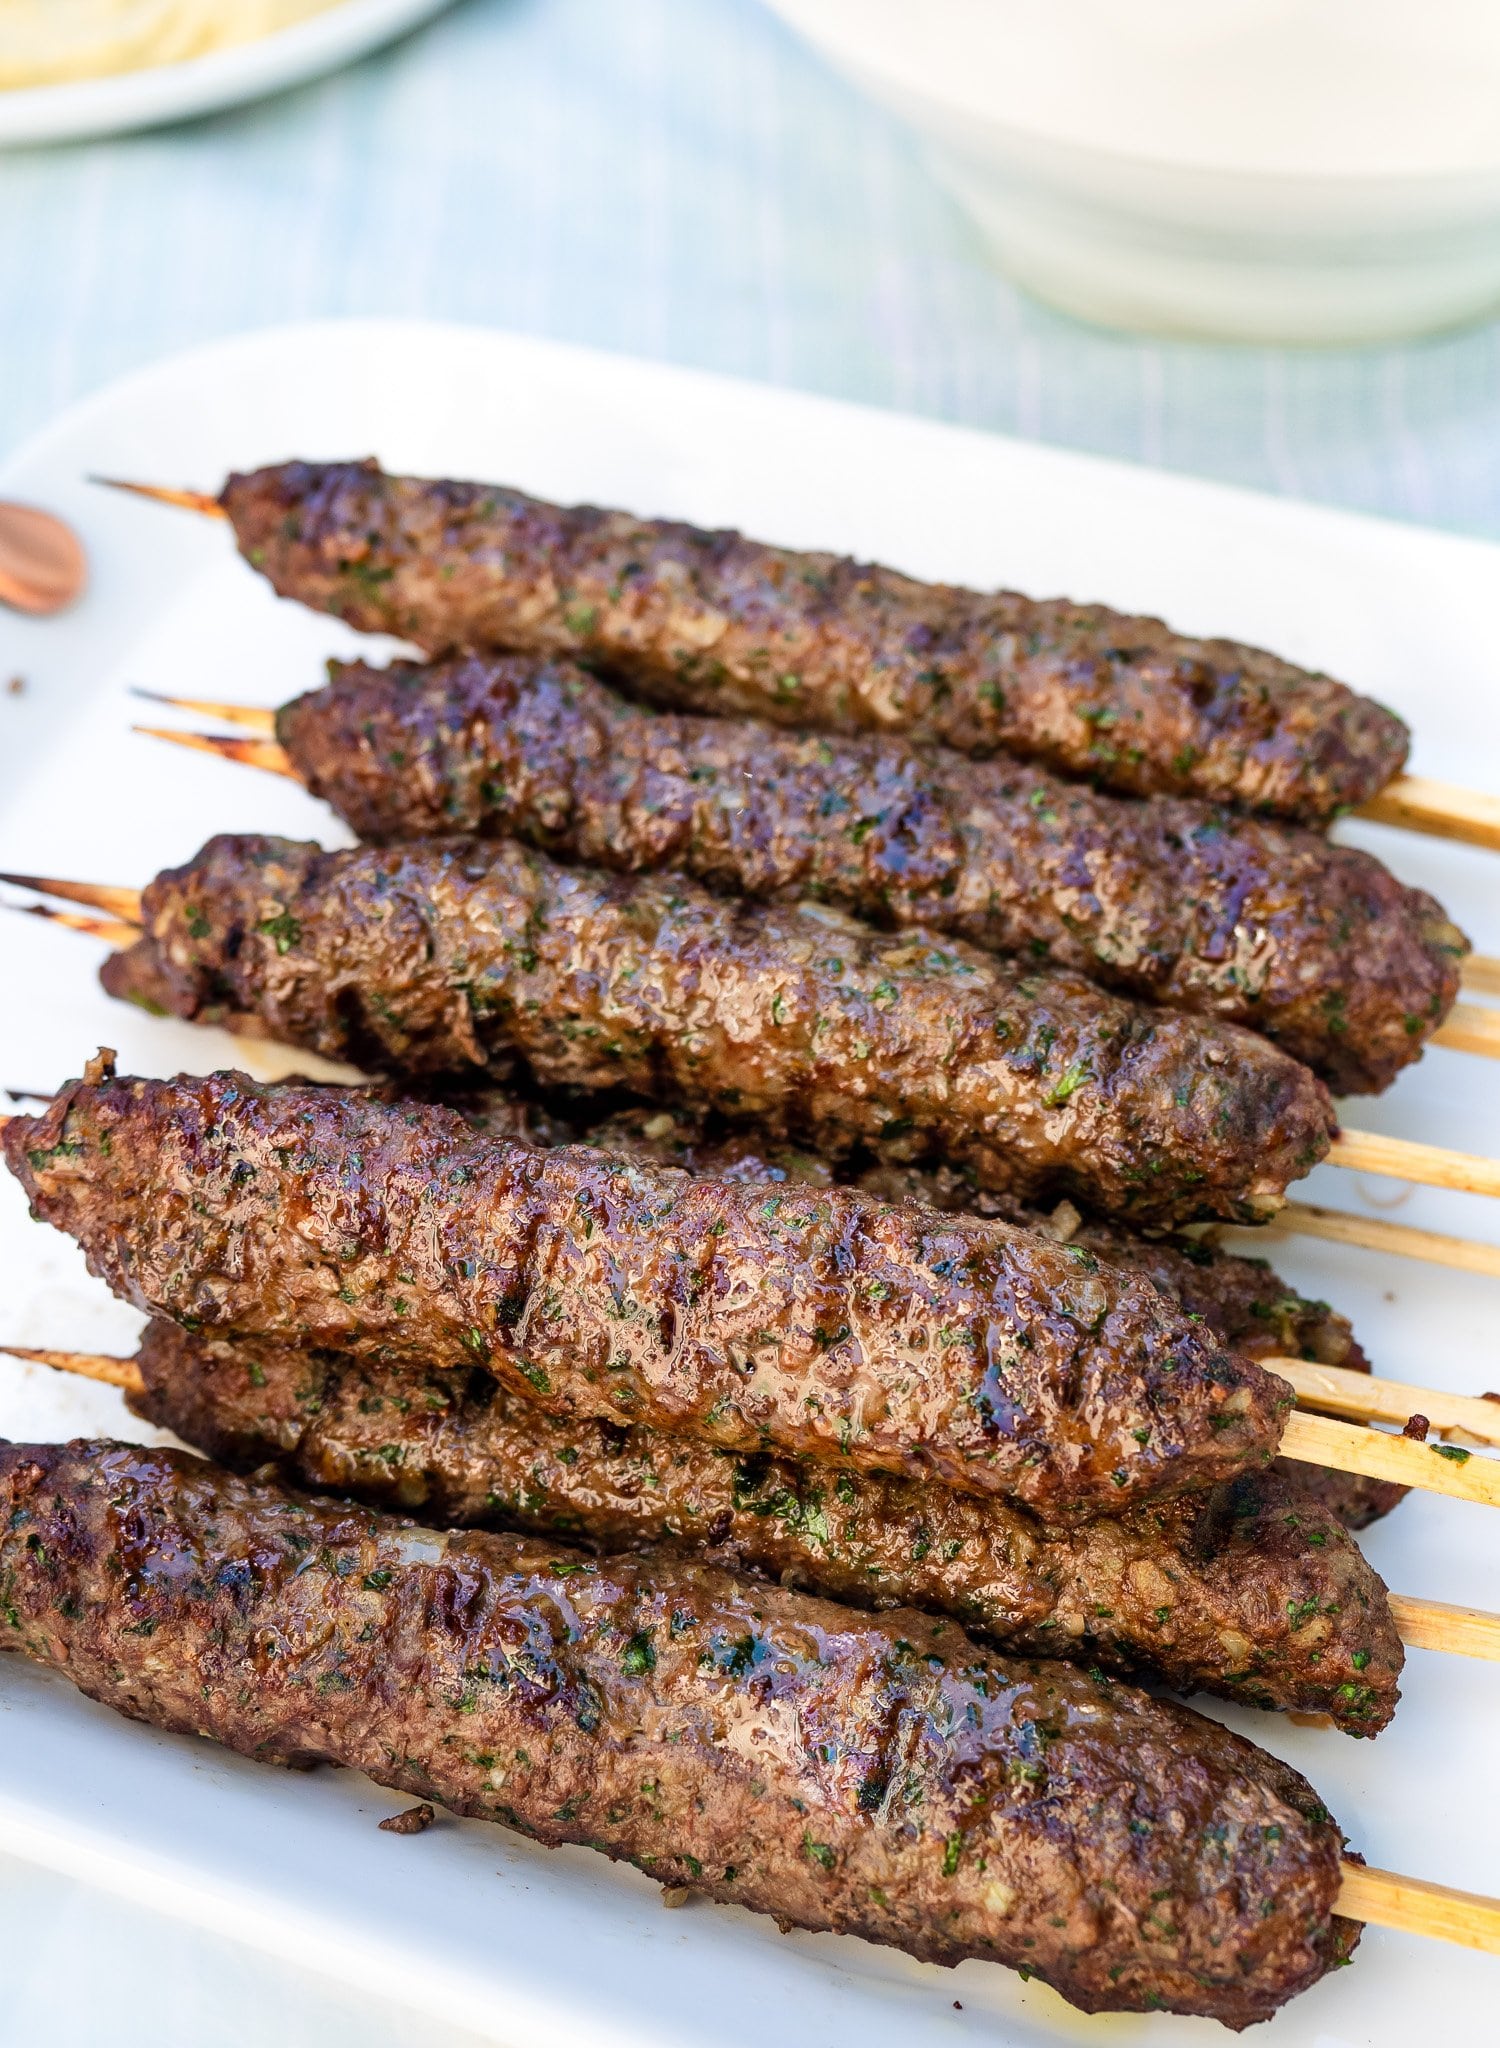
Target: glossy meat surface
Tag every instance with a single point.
(877, 1776)
(823, 1322)
(450, 955)
(1243, 1302)
(714, 622)
(1174, 901)
(1249, 1591)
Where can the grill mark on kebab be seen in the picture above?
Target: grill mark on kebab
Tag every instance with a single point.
(449, 955)
(1175, 902)
(1250, 1591)
(904, 1784)
(1244, 1303)
(814, 1322)
(714, 622)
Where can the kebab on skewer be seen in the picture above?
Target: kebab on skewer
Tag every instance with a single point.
(824, 1323)
(1251, 1590)
(1173, 901)
(1245, 1306)
(712, 622)
(1243, 1301)
(449, 955)
(1242, 1304)
(454, 955)
(121, 928)
(911, 1787)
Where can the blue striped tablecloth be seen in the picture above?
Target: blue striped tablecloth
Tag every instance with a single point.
(672, 178)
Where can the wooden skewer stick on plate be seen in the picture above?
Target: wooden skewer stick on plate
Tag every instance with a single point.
(201, 502)
(1397, 1240)
(1454, 1631)
(248, 717)
(1433, 1166)
(1468, 1027)
(111, 930)
(1360, 1397)
(1482, 975)
(1412, 1905)
(1413, 801)
(121, 904)
(1448, 1469)
(1419, 804)
(1427, 1624)
(249, 750)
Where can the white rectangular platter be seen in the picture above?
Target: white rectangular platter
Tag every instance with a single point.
(467, 1921)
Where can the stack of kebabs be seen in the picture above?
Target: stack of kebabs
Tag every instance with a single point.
(772, 1207)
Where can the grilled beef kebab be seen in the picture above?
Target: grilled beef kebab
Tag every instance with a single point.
(1245, 1306)
(454, 956)
(906, 1784)
(818, 1322)
(1251, 1590)
(714, 622)
(1173, 901)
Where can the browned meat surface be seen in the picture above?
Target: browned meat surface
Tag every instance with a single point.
(449, 955)
(1246, 1306)
(1174, 901)
(818, 1322)
(1249, 1591)
(906, 1785)
(714, 622)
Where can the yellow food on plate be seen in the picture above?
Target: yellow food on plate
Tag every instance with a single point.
(54, 42)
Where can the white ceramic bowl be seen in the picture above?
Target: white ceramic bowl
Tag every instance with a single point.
(1258, 170)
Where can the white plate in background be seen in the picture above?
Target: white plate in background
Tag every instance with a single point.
(207, 85)
(469, 1922)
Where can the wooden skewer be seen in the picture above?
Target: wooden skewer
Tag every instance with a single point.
(1482, 975)
(1399, 1240)
(1425, 1624)
(111, 930)
(123, 1373)
(250, 753)
(1432, 1468)
(186, 501)
(1441, 808)
(1432, 1166)
(124, 904)
(1470, 1027)
(1412, 1905)
(1455, 1631)
(249, 717)
(1360, 1397)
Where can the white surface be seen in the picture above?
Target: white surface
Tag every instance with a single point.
(467, 1922)
(206, 85)
(1263, 170)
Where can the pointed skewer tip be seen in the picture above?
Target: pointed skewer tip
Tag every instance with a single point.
(120, 903)
(249, 717)
(265, 754)
(112, 930)
(202, 502)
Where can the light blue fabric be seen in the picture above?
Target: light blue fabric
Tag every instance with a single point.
(681, 179)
